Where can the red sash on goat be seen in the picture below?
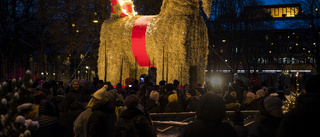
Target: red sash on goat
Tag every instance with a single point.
(138, 41)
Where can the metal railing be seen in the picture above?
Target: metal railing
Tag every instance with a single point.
(168, 124)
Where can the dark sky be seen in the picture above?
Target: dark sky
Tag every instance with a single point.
(272, 2)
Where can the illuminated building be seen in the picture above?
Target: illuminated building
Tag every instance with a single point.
(284, 45)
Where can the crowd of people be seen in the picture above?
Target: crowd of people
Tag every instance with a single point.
(92, 109)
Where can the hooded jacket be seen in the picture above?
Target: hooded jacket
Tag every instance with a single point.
(143, 125)
(102, 120)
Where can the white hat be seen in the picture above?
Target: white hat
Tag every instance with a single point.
(101, 93)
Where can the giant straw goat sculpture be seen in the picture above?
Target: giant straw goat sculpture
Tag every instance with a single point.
(175, 42)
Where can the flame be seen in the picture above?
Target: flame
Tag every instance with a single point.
(124, 4)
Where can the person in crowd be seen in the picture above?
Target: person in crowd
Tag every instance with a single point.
(260, 93)
(304, 118)
(210, 113)
(238, 124)
(93, 85)
(132, 120)
(173, 104)
(62, 90)
(152, 104)
(84, 87)
(176, 85)
(73, 95)
(164, 96)
(255, 82)
(231, 101)
(76, 108)
(192, 100)
(185, 88)
(48, 90)
(268, 119)
(38, 96)
(49, 125)
(250, 102)
(103, 118)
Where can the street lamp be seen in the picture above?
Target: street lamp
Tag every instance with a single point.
(95, 21)
(87, 72)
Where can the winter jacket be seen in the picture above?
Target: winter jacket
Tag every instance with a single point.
(202, 128)
(303, 119)
(80, 124)
(173, 107)
(143, 126)
(152, 106)
(75, 110)
(48, 127)
(70, 98)
(102, 120)
(267, 127)
(192, 106)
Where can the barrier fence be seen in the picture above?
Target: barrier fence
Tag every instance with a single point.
(166, 121)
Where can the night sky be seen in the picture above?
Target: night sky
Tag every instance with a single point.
(272, 2)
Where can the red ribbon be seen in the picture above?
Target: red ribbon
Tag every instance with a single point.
(138, 41)
(128, 8)
(114, 2)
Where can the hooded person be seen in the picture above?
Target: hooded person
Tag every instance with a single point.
(304, 118)
(208, 123)
(268, 120)
(135, 115)
(173, 104)
(80, 125)
(152, 104)
(103, 117)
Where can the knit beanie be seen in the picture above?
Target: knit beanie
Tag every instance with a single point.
(74, 80)
(101, 93)
(172, 98)
(131, 101)
(260, 93)
(154, 95)
(251, 95)
(192, 92)
(272, 102)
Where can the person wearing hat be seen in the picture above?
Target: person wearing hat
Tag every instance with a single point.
(134, 114)
(73, 95)
(173, 104)
(99, 112)
(250, 102)
(303, 120)
(152, 104)
(268, 119)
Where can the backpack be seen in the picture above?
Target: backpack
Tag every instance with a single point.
(127, 127)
